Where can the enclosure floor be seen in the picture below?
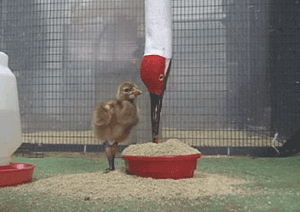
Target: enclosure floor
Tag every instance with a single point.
(194, 138)
(118, 185)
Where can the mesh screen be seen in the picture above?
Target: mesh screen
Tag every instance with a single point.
(70, 55)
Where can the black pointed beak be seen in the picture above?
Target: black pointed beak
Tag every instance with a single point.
(156, 103)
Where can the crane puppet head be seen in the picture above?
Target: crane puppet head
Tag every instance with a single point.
(156, 63)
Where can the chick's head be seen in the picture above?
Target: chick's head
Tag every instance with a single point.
(128, 91)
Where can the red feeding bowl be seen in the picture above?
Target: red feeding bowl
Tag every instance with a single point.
(16, 173)
(162, 167)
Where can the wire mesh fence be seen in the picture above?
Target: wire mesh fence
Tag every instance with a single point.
(225, 87)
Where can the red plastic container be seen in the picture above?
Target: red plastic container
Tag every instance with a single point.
(16, 173)
(162, 167)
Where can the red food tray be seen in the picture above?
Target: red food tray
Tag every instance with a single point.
(16, 173)
(162, 167)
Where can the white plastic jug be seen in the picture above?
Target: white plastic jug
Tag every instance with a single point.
(10, 125)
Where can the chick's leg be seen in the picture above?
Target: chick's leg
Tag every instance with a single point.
(111, 153)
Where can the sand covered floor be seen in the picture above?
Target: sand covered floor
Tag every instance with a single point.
(119, 185)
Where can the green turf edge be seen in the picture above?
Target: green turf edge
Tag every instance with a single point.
(276, 181)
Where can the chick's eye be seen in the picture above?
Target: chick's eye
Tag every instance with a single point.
(126, 90)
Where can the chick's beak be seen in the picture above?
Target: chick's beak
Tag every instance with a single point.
(137, 92)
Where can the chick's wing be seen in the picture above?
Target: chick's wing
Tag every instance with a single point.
(103, 113)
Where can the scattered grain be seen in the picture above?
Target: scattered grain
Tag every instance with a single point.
(118, 184)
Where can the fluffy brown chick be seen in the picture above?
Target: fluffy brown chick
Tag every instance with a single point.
(113, 119)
